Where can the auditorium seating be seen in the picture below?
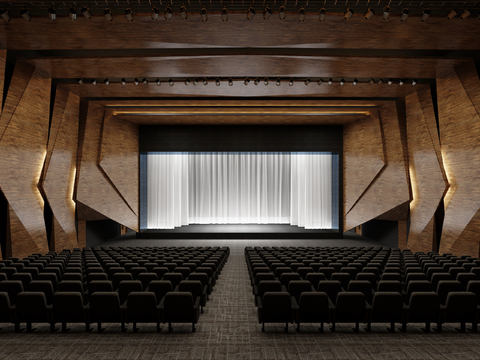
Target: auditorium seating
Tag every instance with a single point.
(109, 285)
(364, 285)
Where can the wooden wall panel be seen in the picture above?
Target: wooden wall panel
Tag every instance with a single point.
(60, 168)
(427, 180)
(119, 157)
(460, 139)
(82, 233)
(94, 188)
(22, 154)
(390, 189)
(363, 157)
(3, 60)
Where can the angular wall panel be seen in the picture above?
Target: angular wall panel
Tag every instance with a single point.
(390, 188)
(22, 154)
(3, 59)
(94, 189)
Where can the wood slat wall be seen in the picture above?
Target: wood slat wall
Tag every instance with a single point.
(3, 59)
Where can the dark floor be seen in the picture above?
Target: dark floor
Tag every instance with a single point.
(229, 330)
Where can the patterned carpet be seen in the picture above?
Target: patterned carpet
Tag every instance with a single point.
(229, 329)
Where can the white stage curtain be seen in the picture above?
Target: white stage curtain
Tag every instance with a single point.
(239, 188)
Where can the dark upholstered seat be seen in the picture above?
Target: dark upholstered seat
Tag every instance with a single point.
(423, 307)
(461, 307)
(126, 287)
(31, 307)
(44, 286)
(142, 308)
(68, 307)
(331, 288)
(350, 307)
(196, 289)
(99, 285)
(313, 307)
(387, 307)
(275, 307)
(298, 287)
(179, 307)
(12, 288)
(105, 308)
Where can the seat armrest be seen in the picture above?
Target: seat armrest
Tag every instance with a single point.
(294, 303)
(284, 289)
(197, 303)
(176, 288)
(204, 290)
(259, 303)
(313, 289)
(162, 304)
(255, 290)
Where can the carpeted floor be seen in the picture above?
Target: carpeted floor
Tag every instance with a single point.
(229, 329)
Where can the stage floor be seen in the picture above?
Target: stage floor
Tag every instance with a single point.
(239, 231)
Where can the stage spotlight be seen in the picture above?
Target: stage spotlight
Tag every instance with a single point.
(371, 82)
(155, 13)
(230, 82)
(348, 14)
(342, 82)
(224, 13)
(465, 14)
(246, 81)
(400, 83)
(195, 82)
(319, 82)
(72, 14)
(250, 13)
(414, 82)
(170, 82)
(290, 82)
(135, 81)
(94, 82)
(4, 14)
(379, 82)
(183, 12)
(86, 12)
(322, 14)
(369, 14)
(267, 13)
(426, 14)
(106, 82)
(386, 12)
(129, 14)
(452, 14)
(145, 81)
(405, 13)
(124, 82)
(217, 81)
(187, 81)
(281, 12)
(80, 81)
(168, 13)
(265, 81)
(108, 14)
(355, 82)
(301, 14)
(158, 82)
(203, 14)
(25, 14)
(205, 81)
(390, 82)
(52, 14)
(279, 82)
(330, 82)
(256, 81)
(307, 81)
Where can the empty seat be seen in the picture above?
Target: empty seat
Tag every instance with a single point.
(31, 307)
(304, 271)
(142, 308)
(203, 278)
(275, 307)
(363, 286)
(68, 307)
(313, 307)
(119, 277)
(391, 276)
(174, 278)
(6, 309)
(96, 276)
(12, 288)
(267, 286)
(160, 271)
(350, 307)
(9, 271)
(146, 278)
(415, 276)
(136, 271)
(331, 288)
(44, 286)
(72, 277)
(372, 278)
(126, 287)
(105, 308)
(474, 287)
(344, 278)
(465, 278)
(298, 287)
(461, 307)
(196, 289)
(99, 285)
(315, 278)
(446, 286)
(423, 307)
(285, 278)
(179, 307)
(25, 278)
(160, 288)
(387, 307)
(389, 286)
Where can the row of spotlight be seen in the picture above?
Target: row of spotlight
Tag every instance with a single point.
(256, 81)
(267, 13)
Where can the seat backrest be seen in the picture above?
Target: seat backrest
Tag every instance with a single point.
(315, 278)
(202, 277)
(464, 278)
(96, 276)
(344, 278)
(192, 286)
(474, 287)
(389, 286)
(372, 278)
(297, 287)
(12, 288)
(5, 308)
(72, 277)
(31, 307)
(146, 278)
(268, 286)
(70, 286)
(178, 302)
(314, 304)
(446, 286)
(174, 278)
(424, 306)
(285, 278)
(126, 287)
(99, 285)
(363, 286)
(44, 286)
(264, 276)
(276, 303)
(68, 306)
(387, 306)
(418, 286)
(331, 288)
(105, 306)
(119, 277)
(142, 306)
(137, 270)
(460, 306)
(350, 306)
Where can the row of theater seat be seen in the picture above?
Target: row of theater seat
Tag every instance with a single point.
(90, 291)
(370, 285)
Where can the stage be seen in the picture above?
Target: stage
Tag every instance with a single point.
(239, 231)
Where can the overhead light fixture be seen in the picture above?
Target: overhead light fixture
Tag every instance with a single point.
(348, 13)
(108, 14)
(230, 82)
(322, 14)
(217, 81)
(158, 82)
(4, 14)
(224, 13)
(330, 81)
(195, 82)
(452, 14)
(187, 81)
(94, 82)
(170, 82)
(401, 82)
(135, 82)
(52, 14)
(355, 82)
(168, 13)
(205, 81)
(145, 81)
(369, 14)
(155, 13)
(405, 13)
(465, 14)
(265, 81)
(386, 12)
(290, 82)
(307, 81)
(129, 14)
(106, 82)
(301, 14)
(250, 13)
(390, 82)
(80, 81)
(426, 14)
(203, 13)
(124, 82)
(72, 14)
(379, 82)
(282, 12)
(342, 82)
(183, 12)
(246, 81)
(25, 14)
(86, 12)
(256, 81)
(279, 82)
(414, 82)
(319, 82)
(267, 13)
(371, 82)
